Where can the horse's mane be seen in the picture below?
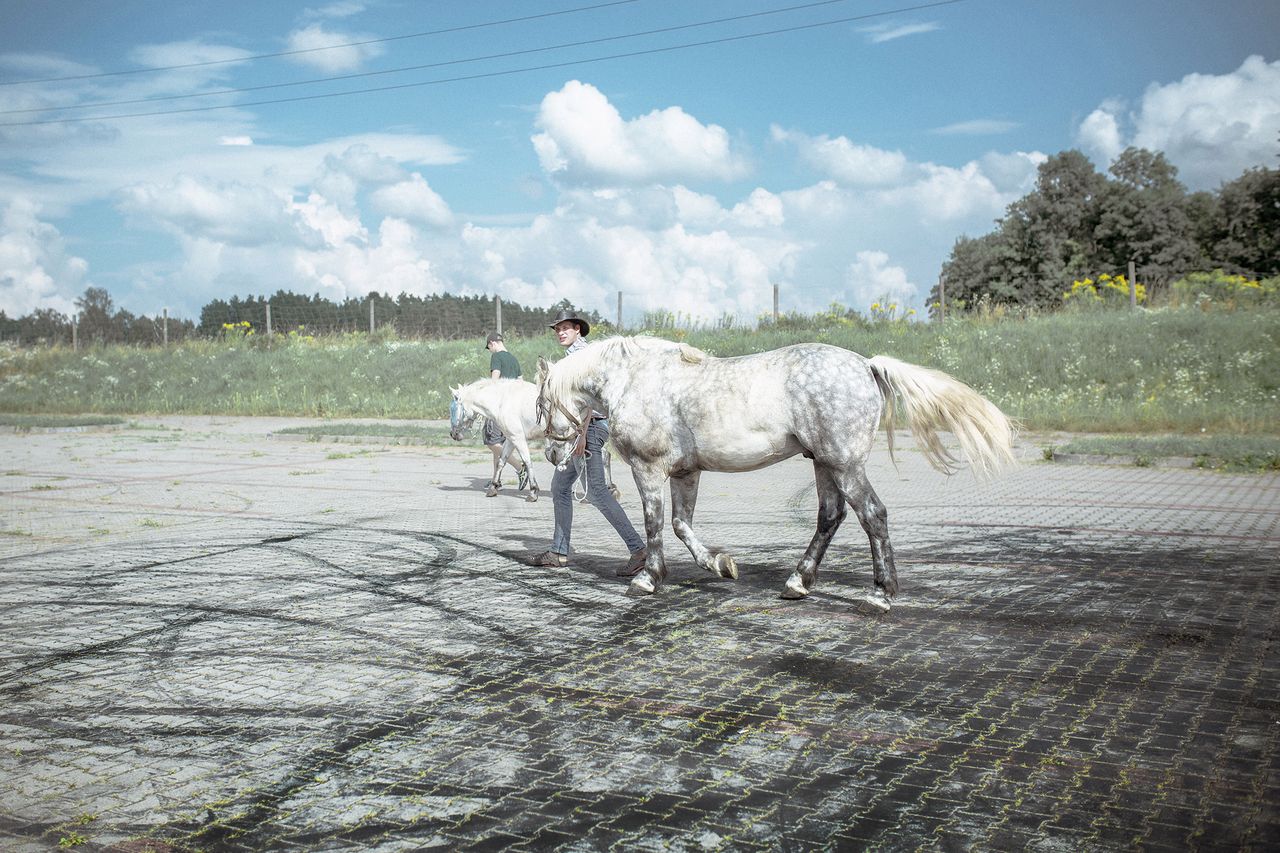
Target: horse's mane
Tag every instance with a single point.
(471, 389)
(569, 373)
(489, 381)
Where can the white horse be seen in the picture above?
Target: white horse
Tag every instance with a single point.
(675, 412)
(512, 405)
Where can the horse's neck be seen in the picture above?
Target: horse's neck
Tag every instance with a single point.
(487, 399)
(605, 382)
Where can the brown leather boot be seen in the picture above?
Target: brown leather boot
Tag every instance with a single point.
(634, 565)
(551, 559)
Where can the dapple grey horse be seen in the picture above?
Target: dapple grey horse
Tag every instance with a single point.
(675, 412)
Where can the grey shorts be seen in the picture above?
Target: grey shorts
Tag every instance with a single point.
(492, 435)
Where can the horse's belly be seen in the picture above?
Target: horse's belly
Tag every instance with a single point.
(746, 454)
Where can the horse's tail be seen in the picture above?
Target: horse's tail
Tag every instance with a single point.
(935, 401)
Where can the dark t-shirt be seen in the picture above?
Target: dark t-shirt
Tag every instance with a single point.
(506, 365)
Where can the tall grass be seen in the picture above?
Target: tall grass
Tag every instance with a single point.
(1158, 371)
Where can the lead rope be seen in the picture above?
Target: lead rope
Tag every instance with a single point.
(580, 495)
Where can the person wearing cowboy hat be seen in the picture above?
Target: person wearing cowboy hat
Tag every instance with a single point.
(571, 333)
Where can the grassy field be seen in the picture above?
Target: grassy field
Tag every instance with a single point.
(1170, 371)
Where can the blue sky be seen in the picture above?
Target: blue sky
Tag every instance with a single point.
(839, 161)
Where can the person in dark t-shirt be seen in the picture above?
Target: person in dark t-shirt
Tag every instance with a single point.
(502, 365)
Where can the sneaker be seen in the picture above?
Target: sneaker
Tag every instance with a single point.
(551, 559)
(524, 478)
(634, 565)
(492, 491)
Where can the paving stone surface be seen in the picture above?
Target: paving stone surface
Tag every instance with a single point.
(215, 640)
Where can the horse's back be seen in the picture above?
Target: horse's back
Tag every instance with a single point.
(750, 411)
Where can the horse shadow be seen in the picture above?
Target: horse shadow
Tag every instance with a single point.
(757, 575)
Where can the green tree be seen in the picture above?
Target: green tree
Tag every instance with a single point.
(1048, 234)
(96, 310)
(1144, 218)
(976, 267)
(1244, 235)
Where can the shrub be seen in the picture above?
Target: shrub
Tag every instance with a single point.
(1208, 290)
(1105, 291)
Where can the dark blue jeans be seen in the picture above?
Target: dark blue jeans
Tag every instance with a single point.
(598, 493)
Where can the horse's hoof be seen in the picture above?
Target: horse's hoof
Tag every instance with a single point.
(725, 566)
(642, 584)
(880, 601)
(794, 588)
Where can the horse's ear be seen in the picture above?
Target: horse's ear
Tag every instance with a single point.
(541, 375)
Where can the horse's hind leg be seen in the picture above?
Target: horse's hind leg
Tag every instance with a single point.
(875, 521)
(831, 511)
(521, 446)
(684, 496)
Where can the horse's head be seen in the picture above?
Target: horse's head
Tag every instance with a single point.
(563, 417)
(460, 418)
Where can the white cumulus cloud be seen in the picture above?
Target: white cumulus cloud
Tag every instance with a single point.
(1212, 127)
(331, 50)
(873, 280)
(235, 214)
(845, 161)
(415, 200)
(36, 270)
(585, 140)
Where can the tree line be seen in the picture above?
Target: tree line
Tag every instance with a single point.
(1078, 223)
(99, 321)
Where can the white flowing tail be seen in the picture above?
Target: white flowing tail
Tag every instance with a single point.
(935, 401)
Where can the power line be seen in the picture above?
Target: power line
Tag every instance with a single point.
(504, 73)
(363, 74)
(326, 47)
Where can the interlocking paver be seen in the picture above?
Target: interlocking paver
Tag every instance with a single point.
(229, 642)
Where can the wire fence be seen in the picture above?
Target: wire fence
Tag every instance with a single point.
(435, 317)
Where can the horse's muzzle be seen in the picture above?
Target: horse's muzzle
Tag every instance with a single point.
(557, 454)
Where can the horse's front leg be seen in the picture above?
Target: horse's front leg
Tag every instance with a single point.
(498, 457)
(684, 496)
(649, 482)
(831, 511)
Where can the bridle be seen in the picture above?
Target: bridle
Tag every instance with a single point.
(578, 425)
(460, 419)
